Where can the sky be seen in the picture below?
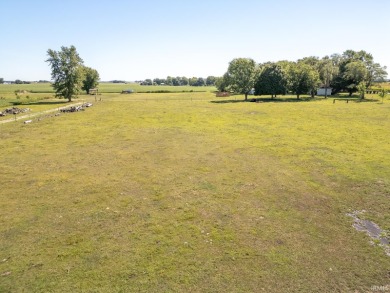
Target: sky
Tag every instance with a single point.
(134, 40)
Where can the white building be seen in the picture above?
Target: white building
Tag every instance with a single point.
(321, 91)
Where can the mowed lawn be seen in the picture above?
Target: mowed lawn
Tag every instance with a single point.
(177, 193)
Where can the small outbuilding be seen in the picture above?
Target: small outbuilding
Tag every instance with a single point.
(128, 91)
(93, 91)
(321, 91)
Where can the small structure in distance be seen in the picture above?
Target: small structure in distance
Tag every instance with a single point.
(94, 92)
(321, 91)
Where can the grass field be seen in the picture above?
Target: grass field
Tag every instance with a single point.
(184, 192)
(43, 94)
(104, 87)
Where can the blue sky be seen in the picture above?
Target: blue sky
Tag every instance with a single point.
(134, 40)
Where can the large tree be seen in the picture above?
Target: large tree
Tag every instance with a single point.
(192, 81)
(314, 63)
(328, 69)
(355, 73)
(66, 71)
(242, 74)
(271, 80)
(90, 79)
(1, 80)
(222, 83)
(375, 72)
(356, 67)
(302, 78)
(184, 80)
(210, 80)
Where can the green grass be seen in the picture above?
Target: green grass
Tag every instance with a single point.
(33, 87)
(175, 193)
(117, 88)
(103, 88)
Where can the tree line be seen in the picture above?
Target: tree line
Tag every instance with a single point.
(350, 72)
(180, 81)
(18, 81)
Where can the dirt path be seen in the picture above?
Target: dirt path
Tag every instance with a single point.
(38, 113)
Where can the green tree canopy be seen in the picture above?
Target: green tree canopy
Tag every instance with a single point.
(210, 80)
(184, 80)
(222, 83)
(90, 79)
(355, 73)
(328, 69)
(302, 78)
(375, 72)
(242, 74)
(351, 71)
(271, 80)
(66, 71)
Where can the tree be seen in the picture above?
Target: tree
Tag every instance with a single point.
(200, 82)
(302, 78)
(147, 81)
(361, 87)
(66, 71)
(192, 81)
(382, 94)
(271, 80)
(222, 83)
(375, 73)
(91, 79)
(314, 64)
(157, 81)
(210, 80)
(328, 69)
(355, 73)
(168, 81)
(351, 72)
(242, 75)
(1, 80)
(184, 80)
(175, 81)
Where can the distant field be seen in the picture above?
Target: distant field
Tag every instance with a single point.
(41, 93)
(117, 88)
(184, 192)
(103, 88)
(33, 87)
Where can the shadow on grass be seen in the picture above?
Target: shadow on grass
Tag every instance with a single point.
(295, 100)
(367, 100)
(355, 100)
(60, 102)
(268, 100)
(14, 103)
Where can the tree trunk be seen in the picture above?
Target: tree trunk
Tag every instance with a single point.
(326, 92)
(246, 96)
(297, 96)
